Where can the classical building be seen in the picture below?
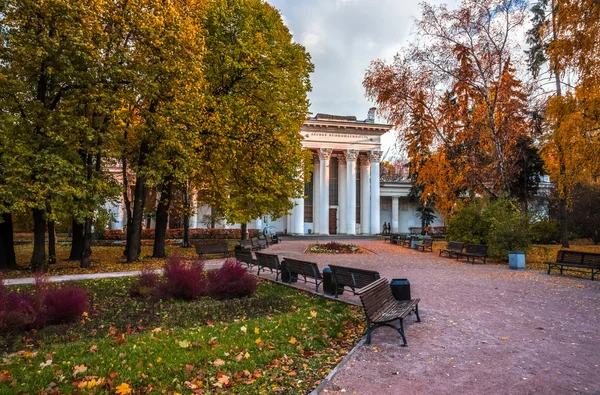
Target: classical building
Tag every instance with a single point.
(344, 195)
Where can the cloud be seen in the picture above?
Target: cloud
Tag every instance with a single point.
(343, 37)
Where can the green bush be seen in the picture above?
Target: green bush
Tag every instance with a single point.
(467, 224)
(498, 223)
(545, 231)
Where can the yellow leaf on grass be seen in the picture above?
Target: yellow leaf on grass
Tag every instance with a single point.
(256, 330)
(292, 340)
(123, 389)
(257, 340)
(313, 314)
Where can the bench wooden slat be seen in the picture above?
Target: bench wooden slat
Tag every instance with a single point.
(213, 249)
(268, 261)
(577, 259)
(245, 256)
(426, 243)
(473, 251)
(353, 278)
(304, 269)
(381, 307)
(452, 247)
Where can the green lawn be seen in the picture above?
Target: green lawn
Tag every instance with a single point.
(278, 340)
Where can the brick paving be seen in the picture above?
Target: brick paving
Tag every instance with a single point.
(485, 328)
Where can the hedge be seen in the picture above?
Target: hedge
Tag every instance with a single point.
(177, 233)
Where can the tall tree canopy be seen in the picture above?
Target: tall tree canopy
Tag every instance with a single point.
(454, 95)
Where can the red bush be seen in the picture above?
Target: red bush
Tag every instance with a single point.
(146, 285)
(231, 281)
(17, 314)
(184, 280)
(65, 304)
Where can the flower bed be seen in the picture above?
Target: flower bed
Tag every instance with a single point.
(334, 247)
(278, 340)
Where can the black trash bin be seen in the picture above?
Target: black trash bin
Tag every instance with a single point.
(285, 275)
(329, 284)
(400, 288)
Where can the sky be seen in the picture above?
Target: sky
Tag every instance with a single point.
(343, 37)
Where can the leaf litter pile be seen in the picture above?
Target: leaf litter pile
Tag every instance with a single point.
(278, 341)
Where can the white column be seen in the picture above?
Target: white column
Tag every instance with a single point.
(351, 191)
(365, 196)
(316, 196)
(289, 224)
(375, 157)
(394, 214)
(342, 194)
(324, 155)
(298, 212)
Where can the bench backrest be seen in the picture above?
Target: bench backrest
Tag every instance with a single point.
(477, 249)
(269, 239)
(376, 296)
(353, 277)
(455, 246)
(244, 256)
(304, 268)
(268, 260)
(246, 243)
(427, 242)
(578, 257)
(255, 242)
(211, 248)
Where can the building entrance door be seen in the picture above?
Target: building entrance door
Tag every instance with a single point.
(333, 221)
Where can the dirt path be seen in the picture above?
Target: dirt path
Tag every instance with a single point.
(485, 329)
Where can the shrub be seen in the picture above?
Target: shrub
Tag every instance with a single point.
(18, 313)
(545, 231)
(468, 224)
(65, 304)
(146, 285)
(231, 281)
(498, 223)
(184, 280)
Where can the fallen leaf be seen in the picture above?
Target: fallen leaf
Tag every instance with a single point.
(292, 340)
(79, 369)
(123, 389)
(184, 344)
(218, 362)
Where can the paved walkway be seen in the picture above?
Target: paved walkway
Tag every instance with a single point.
(484, 330)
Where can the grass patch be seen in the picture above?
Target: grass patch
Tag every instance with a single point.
(278, 340)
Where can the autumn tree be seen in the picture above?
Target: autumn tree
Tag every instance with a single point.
(257, 80)
(454, 95)
(45, 60)
(166, 51)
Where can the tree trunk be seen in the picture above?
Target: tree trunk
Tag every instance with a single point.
(134, 232)
(186, 218)
(562, 196)
(51, 243)
(162, 218)
(212, 217)
(76, 241)
(38, 258)
(244, 231)
(86, 257)
(7, 247)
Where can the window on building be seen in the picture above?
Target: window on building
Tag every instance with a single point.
(308, 200)
(333, 181)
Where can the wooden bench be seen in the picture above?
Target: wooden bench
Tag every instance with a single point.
(576, 259)
(248, 245)
(390, 237)
(268, 261)
(305, 269)
(452, 247)
(472, 252)
(425, 243)
(381, 308)
(258, 244)
(245, 256)
(352, 277)
(213, 249)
